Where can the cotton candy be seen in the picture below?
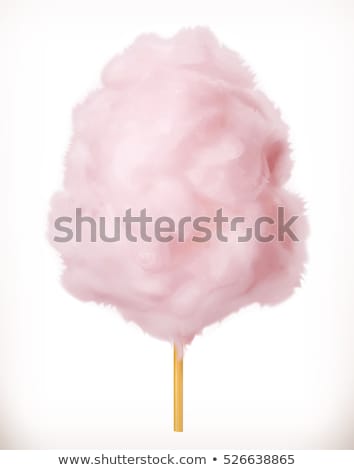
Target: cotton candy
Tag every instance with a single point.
(178, 127)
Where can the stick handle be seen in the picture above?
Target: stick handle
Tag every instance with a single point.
(177, 390)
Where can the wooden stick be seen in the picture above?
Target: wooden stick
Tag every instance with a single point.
(177, 390)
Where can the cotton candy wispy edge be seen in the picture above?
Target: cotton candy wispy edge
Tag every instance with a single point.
(178, 127)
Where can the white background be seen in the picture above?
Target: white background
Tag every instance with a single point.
(76, 375)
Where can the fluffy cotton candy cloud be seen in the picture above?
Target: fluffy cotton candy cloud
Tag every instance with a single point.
(179, 128)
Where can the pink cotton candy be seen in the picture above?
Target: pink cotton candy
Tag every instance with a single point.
(179, 128)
